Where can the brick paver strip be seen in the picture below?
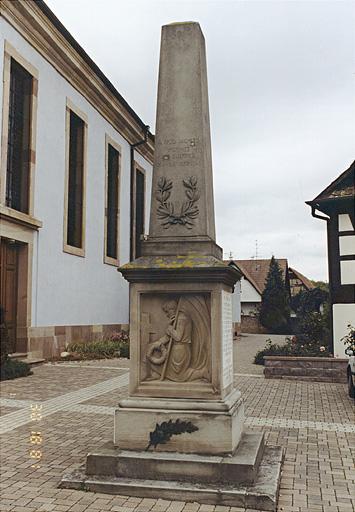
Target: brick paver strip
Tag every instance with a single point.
(16, 404)
(250, 421)
(297, 424)
(19, 418)
(249, 375)
(92, 366)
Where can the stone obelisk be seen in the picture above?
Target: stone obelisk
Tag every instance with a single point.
(179, 434)
(182, 216)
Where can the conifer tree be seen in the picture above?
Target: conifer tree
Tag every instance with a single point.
(274, 311)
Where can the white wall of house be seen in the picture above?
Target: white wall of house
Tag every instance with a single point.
(250, 298)
(343, 315)
(69, 289)
(236, 304)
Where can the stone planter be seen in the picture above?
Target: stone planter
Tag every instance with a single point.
(319, 369)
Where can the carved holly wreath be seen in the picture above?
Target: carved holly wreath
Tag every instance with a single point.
(166, 210)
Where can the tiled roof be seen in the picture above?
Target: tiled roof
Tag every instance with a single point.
(307, 283)
(342, 187)
(256, 271)
(72, 42)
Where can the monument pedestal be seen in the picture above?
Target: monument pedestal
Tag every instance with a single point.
(218, 423)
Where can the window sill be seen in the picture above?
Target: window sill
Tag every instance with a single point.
(17, 217)
(75, 251)
(111, 261)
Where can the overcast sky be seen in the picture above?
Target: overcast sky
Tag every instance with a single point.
(282, 105)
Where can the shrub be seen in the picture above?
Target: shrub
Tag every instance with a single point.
(307, 301)
(12, 369)
(116, 345)
(271, 349)
(349, 339)
(297, 346)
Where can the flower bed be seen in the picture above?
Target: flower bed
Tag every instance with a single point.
(116, 345)
(319, 369)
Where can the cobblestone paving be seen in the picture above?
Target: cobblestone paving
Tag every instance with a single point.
(55, 380)
(246, 347)
(108, 399)
(314, 422)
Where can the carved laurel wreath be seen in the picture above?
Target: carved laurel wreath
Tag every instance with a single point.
(166, 210)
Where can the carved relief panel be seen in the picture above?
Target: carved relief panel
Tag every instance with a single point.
(175, 337)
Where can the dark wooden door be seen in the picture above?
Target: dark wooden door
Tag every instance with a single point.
(9, 279)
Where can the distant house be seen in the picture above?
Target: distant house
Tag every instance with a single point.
(337, 202)
(252, 286)
(298, 282)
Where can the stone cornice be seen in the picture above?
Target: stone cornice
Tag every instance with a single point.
(226, 275)
(32, 20)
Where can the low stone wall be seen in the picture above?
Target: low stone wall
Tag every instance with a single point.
(50, 341)
(250, 324)
(319, 369)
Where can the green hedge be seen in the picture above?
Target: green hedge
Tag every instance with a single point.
(13, 369)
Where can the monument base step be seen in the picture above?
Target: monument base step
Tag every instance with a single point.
(261, 494)
(241, 467)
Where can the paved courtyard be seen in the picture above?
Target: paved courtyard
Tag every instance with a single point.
(49, 421)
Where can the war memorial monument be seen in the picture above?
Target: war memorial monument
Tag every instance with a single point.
(180, 433)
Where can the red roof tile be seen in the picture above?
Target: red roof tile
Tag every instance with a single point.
(256, 271)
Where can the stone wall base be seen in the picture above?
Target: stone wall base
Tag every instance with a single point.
(250, 324)
(48, 342)
(317, 369)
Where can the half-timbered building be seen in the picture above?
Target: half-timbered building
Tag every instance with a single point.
(336, 205)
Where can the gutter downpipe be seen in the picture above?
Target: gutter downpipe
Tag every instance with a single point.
(132, 148)
(327, 219)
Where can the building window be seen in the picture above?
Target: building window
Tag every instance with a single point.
(19, 138)
(139, 211)
(75, 184)
(112, 203)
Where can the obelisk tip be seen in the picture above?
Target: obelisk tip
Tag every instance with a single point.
(183, 23)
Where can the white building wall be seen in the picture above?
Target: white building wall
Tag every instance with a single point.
(236, 304)
(345, 223)
(343, 315)
(68, 289)
(248, 292)
(250, 298)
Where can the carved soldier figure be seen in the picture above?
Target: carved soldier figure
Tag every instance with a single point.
(181, 354)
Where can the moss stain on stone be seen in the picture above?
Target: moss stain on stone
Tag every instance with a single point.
(190, 260)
